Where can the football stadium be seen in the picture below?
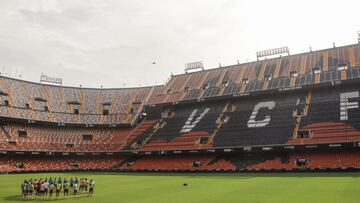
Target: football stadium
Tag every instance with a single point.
(282, 127)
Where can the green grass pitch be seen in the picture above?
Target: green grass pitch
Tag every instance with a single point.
(204, 188)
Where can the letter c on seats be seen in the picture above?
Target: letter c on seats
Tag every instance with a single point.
(252, 123)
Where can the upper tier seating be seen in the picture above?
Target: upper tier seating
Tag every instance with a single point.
(27, 100)
(263, 75)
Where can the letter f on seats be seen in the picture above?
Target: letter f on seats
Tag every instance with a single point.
(345, 104)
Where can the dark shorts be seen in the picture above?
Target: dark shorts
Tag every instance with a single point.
(66, 190)
(91, 189)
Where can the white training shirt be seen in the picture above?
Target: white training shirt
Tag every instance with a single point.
(46, 185)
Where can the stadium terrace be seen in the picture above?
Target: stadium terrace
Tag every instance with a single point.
(290, 113)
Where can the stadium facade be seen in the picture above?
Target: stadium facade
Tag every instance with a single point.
(296, 112)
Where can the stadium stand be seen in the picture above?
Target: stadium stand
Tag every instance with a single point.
(332, 116)
(273, 122)
(287, 113)
(53, 163)
(253, 161)
(39, 102)
(188, 128)
(312, 160)
(310, 69)
(24, 137)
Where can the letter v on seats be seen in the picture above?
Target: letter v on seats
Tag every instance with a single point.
(192, 121)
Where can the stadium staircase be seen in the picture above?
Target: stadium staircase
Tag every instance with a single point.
(7, 134)
(81, 109)
(223, 118)
(243, 161)
(130, 106)
(159, 124)
(102, 116)
(144, 128)
(60, 94)
(49, 104)
(321, 121)
(98, 104)
(30, 100)
(112, 106)
(9, 96)
(299, 112)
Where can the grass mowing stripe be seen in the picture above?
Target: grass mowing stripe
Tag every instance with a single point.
(202, 188)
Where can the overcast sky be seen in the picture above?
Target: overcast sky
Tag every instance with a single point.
(109, 43)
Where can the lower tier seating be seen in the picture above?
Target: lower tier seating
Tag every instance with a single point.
(50, 163)
(205, 162)
(314, 160)
(328, 132)
(190, 140)
(254, 161)
(23, 137)
(196, 162)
